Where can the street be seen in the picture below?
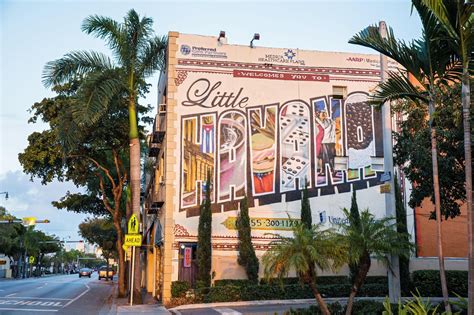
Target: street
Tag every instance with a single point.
(64, 294)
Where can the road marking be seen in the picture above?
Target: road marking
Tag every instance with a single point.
(226, 311)
(31, 303)
(9, 295)
(77, 297)
(26, 309)
(33, 298)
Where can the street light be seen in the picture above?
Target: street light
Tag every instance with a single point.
(6, 194)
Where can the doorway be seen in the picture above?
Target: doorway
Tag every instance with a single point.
(188, 267)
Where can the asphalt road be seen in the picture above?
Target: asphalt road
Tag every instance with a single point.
(65, 294)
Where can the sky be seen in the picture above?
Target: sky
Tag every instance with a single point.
(35, 32)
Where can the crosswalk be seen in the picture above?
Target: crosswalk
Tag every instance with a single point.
(226, 311)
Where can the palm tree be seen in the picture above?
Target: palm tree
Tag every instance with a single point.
(306, 250)
(137, 53)
(369, 237)
(458, 19)
(428, 65)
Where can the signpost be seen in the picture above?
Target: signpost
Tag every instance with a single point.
(132, 239)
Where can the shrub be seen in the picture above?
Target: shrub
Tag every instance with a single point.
(235, 282)
(227, 293)
(367, 307)
(285, 281)
(428, 282)
(179, 288)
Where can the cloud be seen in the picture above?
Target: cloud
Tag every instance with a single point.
(30, 198)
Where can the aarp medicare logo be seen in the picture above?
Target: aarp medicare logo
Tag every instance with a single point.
(185, 49)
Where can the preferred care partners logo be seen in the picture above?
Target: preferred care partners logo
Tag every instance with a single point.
(288, 57)
(204, 52)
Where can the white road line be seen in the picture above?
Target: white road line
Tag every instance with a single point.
(77, 297)
(33, 298)
(226, 311)
(26, 309)
(9, 295)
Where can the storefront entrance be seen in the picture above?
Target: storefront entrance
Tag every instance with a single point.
(188, 267)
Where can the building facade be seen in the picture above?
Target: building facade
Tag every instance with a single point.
(263, 123)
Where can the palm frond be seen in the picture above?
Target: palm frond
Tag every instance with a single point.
(398, 86)
(108, 29)
(398, 50)
(74, 64)
(97, 91)
(153, 56)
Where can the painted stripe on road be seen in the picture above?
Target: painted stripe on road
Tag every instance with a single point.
(77, 297)
(33, 298)
(226, 311)
(26, 309)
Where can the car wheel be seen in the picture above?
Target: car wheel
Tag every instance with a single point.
(79, 276)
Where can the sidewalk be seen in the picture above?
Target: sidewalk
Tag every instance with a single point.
(149, 306)
(342, 300)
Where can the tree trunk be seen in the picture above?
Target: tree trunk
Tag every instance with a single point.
(434, 158)
(359, 279)
(466, 110)
(122, 289)
(319, 299)
(135, 186)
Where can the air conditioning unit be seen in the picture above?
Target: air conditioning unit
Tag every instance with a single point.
(162, 109)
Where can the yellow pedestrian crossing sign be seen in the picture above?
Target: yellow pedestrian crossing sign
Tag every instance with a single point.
(133, 240)
(133, 225)
(31, 260)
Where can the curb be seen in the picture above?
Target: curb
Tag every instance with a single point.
(288, 302)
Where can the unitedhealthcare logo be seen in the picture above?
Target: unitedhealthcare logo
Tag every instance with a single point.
(323, 217)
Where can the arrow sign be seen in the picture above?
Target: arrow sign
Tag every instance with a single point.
(133, 225)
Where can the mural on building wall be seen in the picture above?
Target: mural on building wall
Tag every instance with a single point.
(265, 151)
(198, 149)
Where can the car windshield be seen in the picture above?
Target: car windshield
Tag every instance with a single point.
(84, 269)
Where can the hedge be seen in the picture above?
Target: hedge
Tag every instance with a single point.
(428, 282)
(179, 288)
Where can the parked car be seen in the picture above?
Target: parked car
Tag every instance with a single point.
(85, 272)
(103, 273)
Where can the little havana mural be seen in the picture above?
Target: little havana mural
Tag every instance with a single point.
(270, 152)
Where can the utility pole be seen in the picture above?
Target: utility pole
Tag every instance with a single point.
(394, 273)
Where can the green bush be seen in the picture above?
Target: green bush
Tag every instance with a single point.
(227, 293)
(367, 308)
(234, 282)
(428, 282)
(179, 288)
(285, 281)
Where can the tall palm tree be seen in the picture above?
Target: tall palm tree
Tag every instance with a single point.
(368, 237)
(137, 54)
(306, 250)
(458, 20)
(428, 65)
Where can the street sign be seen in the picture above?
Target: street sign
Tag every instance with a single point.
(29, 221)
(385, 188)
(133, 240)
(31, 260)
(133, 225)
(125, 247)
